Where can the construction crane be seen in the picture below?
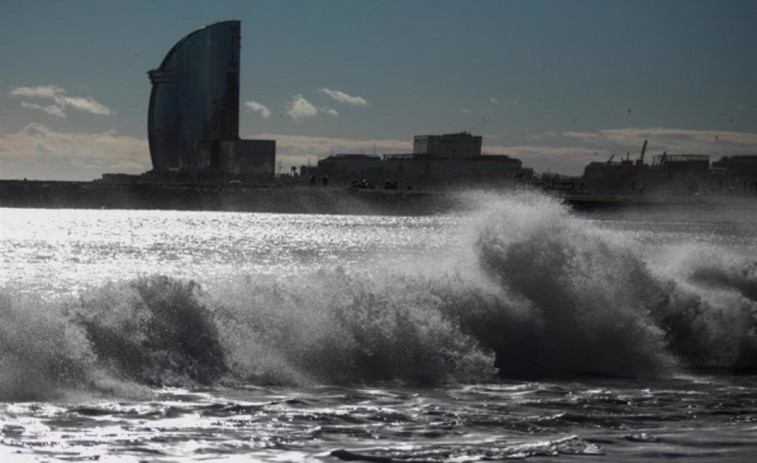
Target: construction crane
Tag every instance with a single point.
(641, 157)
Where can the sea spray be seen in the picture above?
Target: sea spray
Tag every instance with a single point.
(650, 306)
(586, 291)
(523, 288)
(154, 330)
(708, 306)
(339, 327)
(42, 354)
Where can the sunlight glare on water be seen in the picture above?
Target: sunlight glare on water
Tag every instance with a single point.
(66, 250)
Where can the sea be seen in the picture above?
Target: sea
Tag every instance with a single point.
(517, 329)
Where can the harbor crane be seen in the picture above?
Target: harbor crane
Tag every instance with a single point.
(640, 161)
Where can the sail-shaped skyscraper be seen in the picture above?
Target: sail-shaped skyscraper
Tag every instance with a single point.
(193, 119)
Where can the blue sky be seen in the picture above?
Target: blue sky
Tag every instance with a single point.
(556, 83)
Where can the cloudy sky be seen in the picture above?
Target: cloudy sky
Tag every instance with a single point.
(556, 83)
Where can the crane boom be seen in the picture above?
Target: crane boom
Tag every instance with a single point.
(643, 150)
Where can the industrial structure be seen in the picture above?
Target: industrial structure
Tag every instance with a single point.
(671, 173)
(449, 159)
(193, 118)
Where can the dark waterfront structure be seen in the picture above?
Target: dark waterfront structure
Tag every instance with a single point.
(193, 119)
(437, 161)
(736, 173)
(673, 174)
(677, 173)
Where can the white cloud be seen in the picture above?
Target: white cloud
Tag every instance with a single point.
(466, 110)
(585, 136)
(85, 104)
(38, 151)
(42, 91)
(259, 107)
(300, 108)
(345, 98)
(61, 101)
(53, 110)
(569, 160)
(494, 100)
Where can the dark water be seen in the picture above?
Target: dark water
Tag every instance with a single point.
(518, 331)
(709, 419)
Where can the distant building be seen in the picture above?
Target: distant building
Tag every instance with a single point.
(451, 159)
(669, 173)
(672, 173)
(460, 145)
(193, 118)
(682, 164)
(736, 173)
(353, 166)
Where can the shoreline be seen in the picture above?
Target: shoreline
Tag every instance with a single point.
(275, 198)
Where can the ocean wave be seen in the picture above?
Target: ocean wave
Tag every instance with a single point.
(535, 291)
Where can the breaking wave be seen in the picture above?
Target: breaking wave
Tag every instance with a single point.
(535, 292)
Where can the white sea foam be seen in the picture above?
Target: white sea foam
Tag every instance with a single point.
(521, 287)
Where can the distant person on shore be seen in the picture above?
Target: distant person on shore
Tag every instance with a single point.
(325, 180)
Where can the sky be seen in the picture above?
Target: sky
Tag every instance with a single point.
(554, 83)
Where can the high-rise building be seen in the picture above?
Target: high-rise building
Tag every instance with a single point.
(193, 119)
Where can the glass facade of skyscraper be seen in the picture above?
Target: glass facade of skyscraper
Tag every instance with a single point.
(193, 121)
